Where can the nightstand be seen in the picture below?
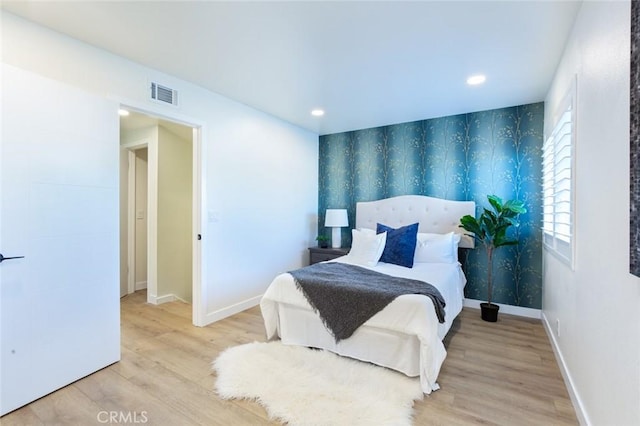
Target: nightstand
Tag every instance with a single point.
(318, 254)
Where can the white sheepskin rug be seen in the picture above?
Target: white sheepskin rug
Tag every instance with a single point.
(302, 386)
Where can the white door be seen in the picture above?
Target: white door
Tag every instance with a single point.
(59, 209)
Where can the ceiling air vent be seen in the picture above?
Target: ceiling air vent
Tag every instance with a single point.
(164, 94)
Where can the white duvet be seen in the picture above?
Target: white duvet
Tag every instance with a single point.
(407, 318)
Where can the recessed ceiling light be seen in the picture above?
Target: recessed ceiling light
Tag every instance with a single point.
(123, 112)
(317, 112)
(476, 79)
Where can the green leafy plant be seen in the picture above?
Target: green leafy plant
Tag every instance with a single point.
(323, 240)
(490, 229)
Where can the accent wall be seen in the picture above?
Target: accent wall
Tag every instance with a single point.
(461, 157)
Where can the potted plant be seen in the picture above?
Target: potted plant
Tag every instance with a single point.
(490, 230)
(323, 241)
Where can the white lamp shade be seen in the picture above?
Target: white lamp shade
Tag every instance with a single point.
(336, 218)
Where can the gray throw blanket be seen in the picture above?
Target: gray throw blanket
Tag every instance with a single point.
(346, 296)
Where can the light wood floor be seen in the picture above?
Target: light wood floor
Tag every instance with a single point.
(503, 373)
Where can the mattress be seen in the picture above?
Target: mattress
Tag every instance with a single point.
(405, 336)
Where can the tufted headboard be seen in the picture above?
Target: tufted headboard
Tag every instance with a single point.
(433, 214)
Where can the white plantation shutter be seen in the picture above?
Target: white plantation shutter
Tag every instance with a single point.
(558, 181)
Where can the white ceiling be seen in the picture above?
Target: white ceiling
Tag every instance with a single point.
(366, 63)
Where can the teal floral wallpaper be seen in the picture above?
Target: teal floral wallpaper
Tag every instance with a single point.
(461, 157)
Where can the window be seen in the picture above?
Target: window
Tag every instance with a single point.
(558, 181)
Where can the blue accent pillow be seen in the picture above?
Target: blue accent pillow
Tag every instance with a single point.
(401, 244)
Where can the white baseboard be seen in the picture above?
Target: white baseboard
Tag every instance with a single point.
(181, 299)
(158, 300)
(168, 298)
(568, 381)
(231, 310)
(507, 309)
(140, 285)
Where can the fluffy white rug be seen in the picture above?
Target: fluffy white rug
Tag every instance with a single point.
(302, 386)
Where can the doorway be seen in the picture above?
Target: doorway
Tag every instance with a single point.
(159, 196)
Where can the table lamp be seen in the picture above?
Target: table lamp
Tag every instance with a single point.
(336, 219)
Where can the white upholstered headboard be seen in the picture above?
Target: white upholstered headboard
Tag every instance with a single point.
(433, 214)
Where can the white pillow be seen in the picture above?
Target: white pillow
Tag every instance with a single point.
(437, 248)
(366, 247)
(367, 231)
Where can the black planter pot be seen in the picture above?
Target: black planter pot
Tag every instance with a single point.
(489, 312)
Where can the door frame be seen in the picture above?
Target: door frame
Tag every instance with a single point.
(197, 287)
(131, 220)
(131, 148)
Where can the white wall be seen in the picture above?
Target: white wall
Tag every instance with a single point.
(259, 173)
(174, 215)
(598, 304)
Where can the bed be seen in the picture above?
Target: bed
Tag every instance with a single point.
(406, 335)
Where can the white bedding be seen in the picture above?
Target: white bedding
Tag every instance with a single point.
(405, 336)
